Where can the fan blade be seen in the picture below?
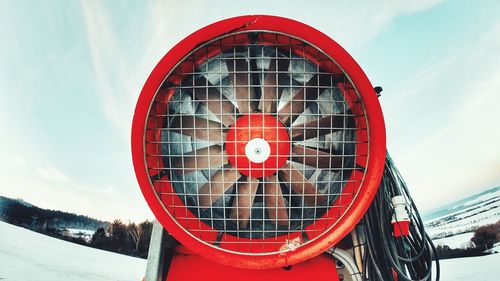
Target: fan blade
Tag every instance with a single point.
(199, 128)
(218, 184)
(303, 99)
(211, 98)
(201, 159)
(275, 203)
(242, 204)
(301, 185)
(317, 127)
(244, 93)
(272, 91)
(315, 157)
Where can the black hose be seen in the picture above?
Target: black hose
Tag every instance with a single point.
(405, 258)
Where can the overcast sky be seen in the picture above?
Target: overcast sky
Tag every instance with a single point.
(71, 72)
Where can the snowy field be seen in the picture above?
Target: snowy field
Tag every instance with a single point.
(455, 241)
(27, 255)
(84, 231)
(485, 268)
(455, 223)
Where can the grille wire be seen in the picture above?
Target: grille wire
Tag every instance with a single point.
(307, 195)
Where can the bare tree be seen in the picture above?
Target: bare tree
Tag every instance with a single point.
(135, 232)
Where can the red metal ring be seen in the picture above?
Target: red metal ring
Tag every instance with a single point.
(350, 67)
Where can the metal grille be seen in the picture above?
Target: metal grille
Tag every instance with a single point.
(256, 73)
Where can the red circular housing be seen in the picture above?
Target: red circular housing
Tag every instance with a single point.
(264, 131)
(258, 142)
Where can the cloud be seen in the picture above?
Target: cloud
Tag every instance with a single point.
(60, 192)
(13, 160)
(52, 173)
(122, 66)
(18, 160)
(453, 106)
(113, 68)
(353, 23)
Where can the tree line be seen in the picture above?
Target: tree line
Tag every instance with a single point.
(21, 213)
(129, 239)
(485, 237)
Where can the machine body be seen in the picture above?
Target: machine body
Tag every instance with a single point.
(259, 143)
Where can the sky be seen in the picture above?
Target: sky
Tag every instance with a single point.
(71, 72)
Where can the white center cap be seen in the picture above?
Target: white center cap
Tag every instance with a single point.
(257, 150)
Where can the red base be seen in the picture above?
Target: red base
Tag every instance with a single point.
(187, 266)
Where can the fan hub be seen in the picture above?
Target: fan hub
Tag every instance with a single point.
(257, 150)
(257, 145)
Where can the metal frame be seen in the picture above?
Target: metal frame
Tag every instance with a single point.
(161, 252)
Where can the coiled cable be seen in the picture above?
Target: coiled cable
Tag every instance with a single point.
(405, 258)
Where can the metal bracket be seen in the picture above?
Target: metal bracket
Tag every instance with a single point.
(159, 254)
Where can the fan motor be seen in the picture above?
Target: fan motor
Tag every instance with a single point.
(258, 142)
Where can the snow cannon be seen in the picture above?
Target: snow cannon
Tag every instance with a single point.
(259, 144)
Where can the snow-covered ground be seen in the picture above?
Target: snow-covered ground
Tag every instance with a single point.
(27, 255)
(485, 268)
(81, 233)
(455, 223)
(84, 231)
(455, 241)
(470, 219)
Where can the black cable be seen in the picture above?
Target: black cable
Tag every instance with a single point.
(404, 258)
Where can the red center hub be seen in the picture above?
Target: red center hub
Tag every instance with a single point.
(257, 145)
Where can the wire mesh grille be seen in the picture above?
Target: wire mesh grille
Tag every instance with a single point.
(256, 74)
